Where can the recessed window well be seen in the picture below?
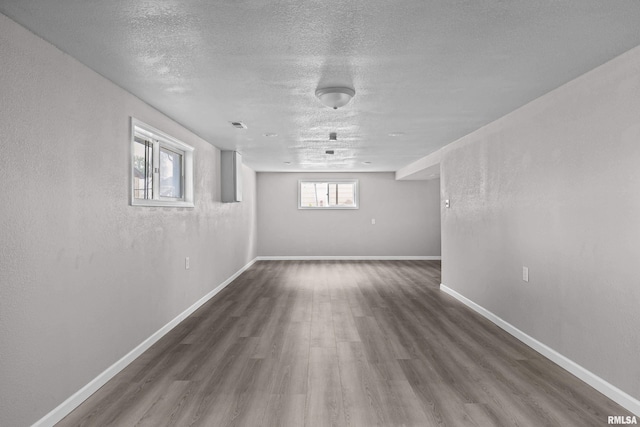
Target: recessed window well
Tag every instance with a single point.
(161, 168)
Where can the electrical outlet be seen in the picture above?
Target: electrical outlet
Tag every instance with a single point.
(373, 221)
(525, 274)
(186, 263)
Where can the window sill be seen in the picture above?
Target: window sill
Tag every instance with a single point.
(328, 208)
(162, 203)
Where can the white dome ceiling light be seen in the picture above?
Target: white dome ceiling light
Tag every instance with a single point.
(335, 97)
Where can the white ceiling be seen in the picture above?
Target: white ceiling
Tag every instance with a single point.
(432, 70)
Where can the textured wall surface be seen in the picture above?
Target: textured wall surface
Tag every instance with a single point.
(84, 277)
(407, 215)
(555, 186)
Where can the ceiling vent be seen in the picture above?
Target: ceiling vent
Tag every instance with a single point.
(333, 136)
(238, 125)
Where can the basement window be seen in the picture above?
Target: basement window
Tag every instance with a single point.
(161, 168)
(328, 194)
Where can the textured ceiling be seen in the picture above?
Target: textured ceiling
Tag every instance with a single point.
(428, 72)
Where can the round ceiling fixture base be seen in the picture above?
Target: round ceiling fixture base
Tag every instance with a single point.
(335, 97)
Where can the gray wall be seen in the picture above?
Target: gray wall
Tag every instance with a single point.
(555, 186)
(407, 215)
(84, 277)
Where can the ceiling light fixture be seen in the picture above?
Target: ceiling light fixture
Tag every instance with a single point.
(335, 97)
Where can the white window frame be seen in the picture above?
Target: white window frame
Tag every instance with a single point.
(162, 140)
(356, 192)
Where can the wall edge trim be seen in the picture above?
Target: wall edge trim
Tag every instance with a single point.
(612, 392)
(85, 392)
(348, 258)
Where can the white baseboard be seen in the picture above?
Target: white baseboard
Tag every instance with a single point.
(81, 395)
(609, 390)
(348, 258)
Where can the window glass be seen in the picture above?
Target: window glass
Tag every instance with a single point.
(170, 174)
(142, 171)
(319, 194)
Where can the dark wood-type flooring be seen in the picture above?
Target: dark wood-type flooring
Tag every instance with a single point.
(341, 343)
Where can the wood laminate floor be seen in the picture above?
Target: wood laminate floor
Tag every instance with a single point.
(341, 343)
